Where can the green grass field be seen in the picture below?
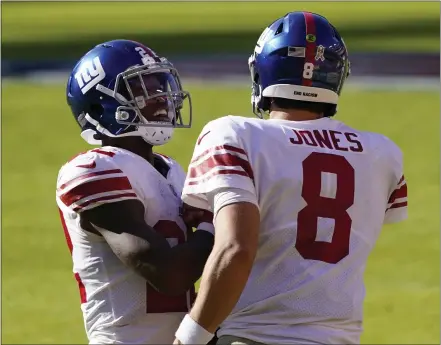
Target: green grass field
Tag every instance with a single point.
(69, 29)
(39, 294)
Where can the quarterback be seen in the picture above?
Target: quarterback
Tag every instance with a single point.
(299, 199)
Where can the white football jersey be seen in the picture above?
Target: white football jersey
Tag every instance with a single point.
(118, 305)
(324, 191)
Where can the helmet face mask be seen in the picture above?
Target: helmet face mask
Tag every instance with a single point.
(154, 93)
(256, 90)
(138, 94)
(287, 63)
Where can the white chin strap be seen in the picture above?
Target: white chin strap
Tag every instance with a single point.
(154, 136)
(89, 136)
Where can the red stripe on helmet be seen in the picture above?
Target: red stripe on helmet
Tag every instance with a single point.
(310, 39)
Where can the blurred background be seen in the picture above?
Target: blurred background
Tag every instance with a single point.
(394, 89)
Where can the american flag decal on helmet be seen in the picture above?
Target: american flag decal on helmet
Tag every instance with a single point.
(296, 52)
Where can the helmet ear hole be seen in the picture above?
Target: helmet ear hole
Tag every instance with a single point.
(99, 136)
(95, 111)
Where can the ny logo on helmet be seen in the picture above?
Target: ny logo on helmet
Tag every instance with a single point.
(90, 74)
(145, 57)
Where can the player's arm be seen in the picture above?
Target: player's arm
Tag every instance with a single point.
(229, 265)
(102, 195)
(170, 270)
(220, 178)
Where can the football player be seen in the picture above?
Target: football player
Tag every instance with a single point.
(134, 257)
(299, 199)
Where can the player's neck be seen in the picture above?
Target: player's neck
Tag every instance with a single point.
(144, 151)
(294, 115)
(133, 144)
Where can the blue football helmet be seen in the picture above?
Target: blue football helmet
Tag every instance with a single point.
(300, 56)
(123, 88)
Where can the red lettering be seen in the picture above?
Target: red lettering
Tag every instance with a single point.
(308, 138)
(322, 139)
(327, 139)
(335, 141)
(299, 140)
(359, 147)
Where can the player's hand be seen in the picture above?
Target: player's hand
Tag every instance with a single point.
(193, 216)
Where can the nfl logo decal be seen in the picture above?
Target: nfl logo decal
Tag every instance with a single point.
(319, 55)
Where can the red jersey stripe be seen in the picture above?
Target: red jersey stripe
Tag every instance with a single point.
(95, 187)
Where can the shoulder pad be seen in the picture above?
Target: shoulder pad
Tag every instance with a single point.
(91, 179)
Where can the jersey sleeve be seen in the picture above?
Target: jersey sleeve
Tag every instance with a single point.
(220, 160)
(396, 210)
(91, 180)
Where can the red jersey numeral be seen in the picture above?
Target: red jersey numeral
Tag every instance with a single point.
(158, 302)
(320, 206)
